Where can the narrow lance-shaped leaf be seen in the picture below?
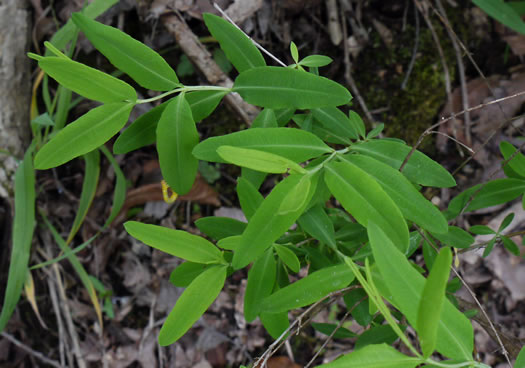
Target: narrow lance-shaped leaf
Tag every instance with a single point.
(178, 243)
(88, 132)
(186, 272)
(23, 225)
(239, 49)
(217, 227)
(308, 290)
(364, 199)
(518, 162)
(293, 144)
(432, 299)
(412, 204)
(249, 197)
(503, 13)
(143, 131)
(87, 82)
(288, 257)
(119, 194)
(89, 187)
(261, 279)
(134, 58)
(492, 193)
(258, 160)
(455, 334)
(192, 304)
(316, 222)
(455, 237)
(267, 224)
(276, 88)
(176, 138)
(335, 120)
(265, 119)
(374, 356)
(419, 169)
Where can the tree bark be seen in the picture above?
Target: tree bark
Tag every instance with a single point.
(15, 89)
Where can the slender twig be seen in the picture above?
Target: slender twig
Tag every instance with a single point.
(348, 73)
(69, 320)
(296, 326)
(461, 71)
(223, 13)
(446, 73)
(414, 51)
(28, 350)
(452, 116)
(455, 140)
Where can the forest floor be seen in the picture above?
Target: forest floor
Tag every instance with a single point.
(404, 68)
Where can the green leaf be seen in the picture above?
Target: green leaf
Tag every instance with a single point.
(92, 10)
(192, 304)
(481, 230)
(249, 197)
(305, 122)
(336, 121)
(376, 131)
(267, 225)
(294, 52)
(432, 300)
(239, 49)
(509, 244)
(265, 119)
(519, 7)
(506, 222)
(490, 246)
(364, 199)
(176, 138)
(132, 57)
(520, 361)
(230, 243)
(88, 132)
(203, 103)
(220, 227)
(314, 61)
(276, 87)
(455, 335)
(357, 301)
(261, 280)
(89, 187)
(119, 194)
(178, 243)
(87, 82)
(419, 169)
(308, 290)
(297, 198)
(503, 13)
(328, 328)
(23, 226)
(258, 160)
(376, 335)
(275, 323)
(284, 115)
(316, 222)
(288, 257)
(142, 132)
(518, 162)
(293, 144)
(493, 193)
(357, 122)
(186, 272)
(412, 204)
(374, 356)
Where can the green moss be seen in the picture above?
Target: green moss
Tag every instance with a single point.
(380, 71)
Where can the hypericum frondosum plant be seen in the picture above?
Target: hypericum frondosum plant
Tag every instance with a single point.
(364, 249)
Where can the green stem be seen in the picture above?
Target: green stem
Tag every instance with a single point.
(183, 89)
